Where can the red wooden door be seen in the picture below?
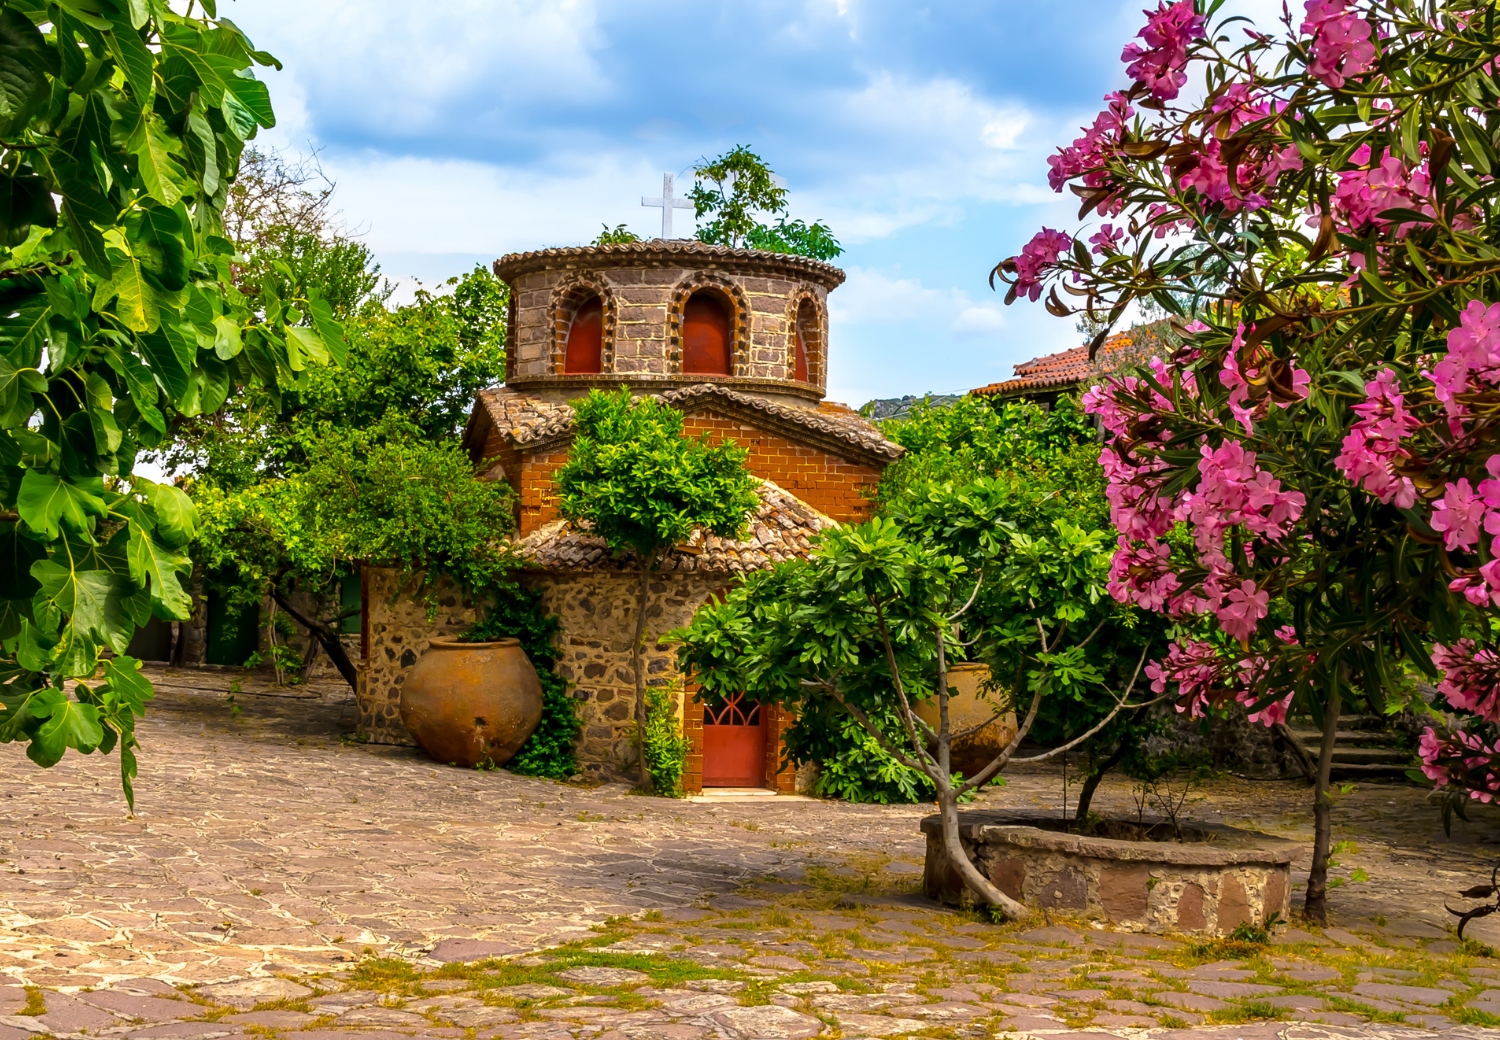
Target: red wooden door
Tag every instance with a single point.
(734, 744)
(705, 336)
(799, 366)
(585, 351)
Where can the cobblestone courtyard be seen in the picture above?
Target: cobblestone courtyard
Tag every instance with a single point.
(278, 880)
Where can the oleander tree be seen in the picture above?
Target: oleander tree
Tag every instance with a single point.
(122, 123)
(1314, 472)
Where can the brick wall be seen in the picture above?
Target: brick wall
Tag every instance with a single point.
(538, 490)
(826, 482)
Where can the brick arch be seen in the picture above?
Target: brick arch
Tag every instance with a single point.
(566, 296)
(817, 348)
(739, 320)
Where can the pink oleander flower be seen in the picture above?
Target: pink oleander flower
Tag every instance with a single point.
(1459, 515)
(1371, 189)
(1473, 349)
(1340, 46)
(1373, 444)
(1243, 607)
(1141, 574)
(1170, 30)
(1041, 253)
(1088, 156)
(1107, 239)
(1471, 678)
(1463, 759)
(1196, 669)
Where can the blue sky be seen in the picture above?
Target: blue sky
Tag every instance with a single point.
(461, 131)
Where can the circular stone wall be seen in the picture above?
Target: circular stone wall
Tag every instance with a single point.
(644, 288)
(1212, 882)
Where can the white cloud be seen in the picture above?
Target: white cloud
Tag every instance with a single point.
(872, 298)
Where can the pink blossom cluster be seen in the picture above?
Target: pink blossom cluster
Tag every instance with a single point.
(1341, 46)
(1170, 30)
(1374, 187)
(1248, 379)
(1203, 679)
(1252, 671)
(1373, 444)
(1141, 573)
(1471, 678)
(1088, 156)
(1473, 350)
(1196, 669)
(1234, 491)
(1462, 759)
(1036, 257)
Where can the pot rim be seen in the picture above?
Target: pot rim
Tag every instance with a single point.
(967, 666)
(453, 644)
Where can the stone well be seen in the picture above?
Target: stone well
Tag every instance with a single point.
(1209, 883)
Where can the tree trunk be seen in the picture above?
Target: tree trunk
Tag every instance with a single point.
(1304, 760)
(1092, 781)
(1315, 908)
(327, 638)
(640, 672)
(953, 845)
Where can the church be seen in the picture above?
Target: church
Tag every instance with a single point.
(736, 339)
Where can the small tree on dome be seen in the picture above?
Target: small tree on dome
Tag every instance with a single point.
(635, 481)
(1326, 437)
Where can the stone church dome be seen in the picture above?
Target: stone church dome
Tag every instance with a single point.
(664, 314)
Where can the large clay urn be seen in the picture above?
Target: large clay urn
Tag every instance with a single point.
(472, 704)
(966, 708)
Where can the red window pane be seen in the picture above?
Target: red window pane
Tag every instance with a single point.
(799, 367)
(705, 336)
(585, 353)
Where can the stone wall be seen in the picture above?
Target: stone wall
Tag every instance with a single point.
(598, 613)
(399, 630)
(643, 310)
(1210, 884)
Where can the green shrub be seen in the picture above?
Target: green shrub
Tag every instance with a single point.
(665, 747)
(516, 613)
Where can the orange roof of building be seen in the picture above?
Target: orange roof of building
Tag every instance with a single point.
(1058, 372)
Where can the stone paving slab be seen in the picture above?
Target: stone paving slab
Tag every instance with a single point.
(278, 880)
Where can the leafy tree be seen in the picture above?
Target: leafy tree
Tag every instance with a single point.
(1324, 435)
(638, 483)
(122, 126)
(873, 618)
(616, 236)
(736, 186)
(383, 495)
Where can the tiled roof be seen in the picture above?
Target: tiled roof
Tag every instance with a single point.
(532, 423)
(1058, 371)
(1069, 368)
(675, 252)
(782, 529)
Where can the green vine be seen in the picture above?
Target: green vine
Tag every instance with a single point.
(516, 612)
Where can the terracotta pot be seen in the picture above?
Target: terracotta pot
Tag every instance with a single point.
(967, 708)
(472, 703)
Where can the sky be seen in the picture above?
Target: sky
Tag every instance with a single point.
(461, 131)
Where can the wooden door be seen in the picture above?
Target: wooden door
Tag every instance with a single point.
(734, 743)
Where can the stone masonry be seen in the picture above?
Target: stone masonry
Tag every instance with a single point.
(643, 287)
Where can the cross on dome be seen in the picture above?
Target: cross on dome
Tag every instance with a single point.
(666, 204)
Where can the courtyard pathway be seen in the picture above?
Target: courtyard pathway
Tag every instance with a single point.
(279, 880)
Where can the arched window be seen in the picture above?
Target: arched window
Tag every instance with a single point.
(807, 335)
(706, 346)
(585, 353)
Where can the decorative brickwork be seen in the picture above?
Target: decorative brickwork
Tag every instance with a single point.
(566, 296)
(644, 286)
(816, 343)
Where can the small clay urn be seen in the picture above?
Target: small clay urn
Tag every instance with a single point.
(971, 702)
(472, 704)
